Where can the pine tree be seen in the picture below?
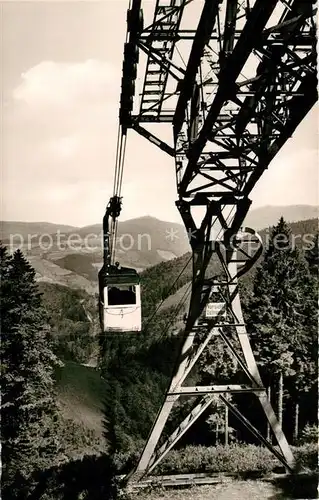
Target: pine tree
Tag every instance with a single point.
(312, 257)
(29, 413)
(306, 345)
(275, 311)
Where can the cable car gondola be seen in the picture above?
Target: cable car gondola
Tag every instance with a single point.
(119, 287)
(120, 299)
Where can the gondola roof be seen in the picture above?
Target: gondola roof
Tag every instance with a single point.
(118, 275)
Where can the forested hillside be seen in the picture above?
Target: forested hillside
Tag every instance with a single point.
(120, 394)
(72, 316)
(164, 279)
(160, 332)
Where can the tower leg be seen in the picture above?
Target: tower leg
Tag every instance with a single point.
(166, 408)
(190, 353)
(253, 369)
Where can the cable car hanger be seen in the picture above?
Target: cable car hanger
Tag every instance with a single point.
(119, 287)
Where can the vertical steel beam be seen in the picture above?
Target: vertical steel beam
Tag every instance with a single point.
(253, 368)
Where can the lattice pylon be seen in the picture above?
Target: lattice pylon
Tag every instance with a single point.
(189, 355)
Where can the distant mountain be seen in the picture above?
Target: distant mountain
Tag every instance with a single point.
(147, 233)
(141, 243)
(263, 217)
(144, 234)
(24, 229)
(75, 258)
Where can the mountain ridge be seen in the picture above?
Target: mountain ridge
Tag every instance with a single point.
(291, 213)
(263, 217)
(146, 242)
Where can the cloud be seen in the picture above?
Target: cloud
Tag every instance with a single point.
(59, 140)
(62, 114)
(63, 84)
(59, 143)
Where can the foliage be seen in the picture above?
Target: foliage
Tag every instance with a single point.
(134, 370)
(86, 478)
(235, 458)
(309, 434)
(281, 314)
(306, 456)
(73, 319)
(216, 364)
(302, 236)
(137, 368)
(136, 376)
(160, 281)
(276, 303)
(92, 477)
(32, 426)
(164, 279)
(29, 413)
(78, 440)
(312, 256)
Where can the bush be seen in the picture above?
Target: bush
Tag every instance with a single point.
(233, 459)
(125, 461)
(307, 456)
(309, 434)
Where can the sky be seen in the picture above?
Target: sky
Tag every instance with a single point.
(60, 83)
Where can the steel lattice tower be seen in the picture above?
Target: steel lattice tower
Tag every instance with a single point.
(234, 78)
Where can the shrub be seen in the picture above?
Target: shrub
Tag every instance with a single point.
(125, 461)
(235, 458)
(309, 434)
(307, 456)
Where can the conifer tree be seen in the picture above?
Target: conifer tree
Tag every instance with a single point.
(276, 310)
(312, 257)
(29, 415)
(306, 342)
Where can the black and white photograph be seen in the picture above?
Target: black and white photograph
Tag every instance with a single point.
(159, 249)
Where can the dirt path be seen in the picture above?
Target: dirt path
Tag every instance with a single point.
(236, 490)
(246, 490)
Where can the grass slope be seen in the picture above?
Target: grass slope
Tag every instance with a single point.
(81, 392)
(49, 272)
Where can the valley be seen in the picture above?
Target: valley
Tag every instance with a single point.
(69, 288)
(72, 256)
(135, 368)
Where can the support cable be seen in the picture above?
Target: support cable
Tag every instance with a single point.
(176, 279)
(169, 291)
(117, 185)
